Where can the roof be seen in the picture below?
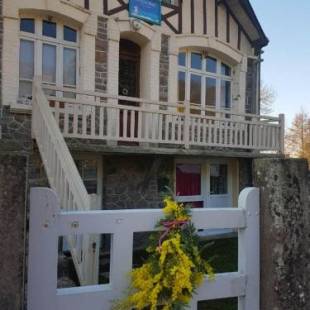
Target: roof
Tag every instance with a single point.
(243, 11)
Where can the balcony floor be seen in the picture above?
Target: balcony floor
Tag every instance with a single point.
(99, 146)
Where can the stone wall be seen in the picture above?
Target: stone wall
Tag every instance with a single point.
(285, 233)
(245, 173)
(13, 180)
(164, 68)
(1, 44)
(16, 132)
(135, 181)
(101, 55)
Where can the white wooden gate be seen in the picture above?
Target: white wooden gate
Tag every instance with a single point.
(48, 222)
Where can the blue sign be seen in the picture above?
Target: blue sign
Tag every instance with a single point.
(148, 10)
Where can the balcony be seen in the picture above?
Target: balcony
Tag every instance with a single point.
(126, 124)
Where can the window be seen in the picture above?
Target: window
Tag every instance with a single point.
(49, 29)
(204, 80)
(218, 179)
(47, 49)
(26, 68)
(203, 183)
(27, 25)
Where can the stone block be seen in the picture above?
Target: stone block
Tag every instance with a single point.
(285, 233)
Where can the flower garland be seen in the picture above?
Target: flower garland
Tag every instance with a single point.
(174, 268)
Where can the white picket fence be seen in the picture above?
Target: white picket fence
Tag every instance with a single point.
(48, 222)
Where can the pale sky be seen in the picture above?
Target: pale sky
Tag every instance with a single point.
(286, 63)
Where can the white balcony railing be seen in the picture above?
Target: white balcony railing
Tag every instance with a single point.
(127, 120)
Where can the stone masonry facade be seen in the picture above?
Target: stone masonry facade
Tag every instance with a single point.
(101, 55)
(164, 68)
(136, 181)
(1, 44)
(16, 132)
(13, 183)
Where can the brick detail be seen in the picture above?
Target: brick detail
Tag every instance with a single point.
(101, 55)
(164, 68)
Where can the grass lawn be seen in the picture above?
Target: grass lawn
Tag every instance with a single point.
(225, 259)
(224, 254)
(223, 304)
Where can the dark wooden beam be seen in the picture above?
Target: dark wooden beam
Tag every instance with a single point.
(86, 4)
(227, 25)
(239, 36)
(192, 16)
(216, 17)
(235, 19)
(175, 10)
(205, 26)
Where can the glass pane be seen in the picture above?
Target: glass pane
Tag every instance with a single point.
(211, 64)
(225, 94)
(181, 87)
(182, 59)
(25, 91)
(27, 25)
(195, 94)
(188, 180)
(49, 63)
(70, 34)
(225, 70)
(210, 92)
(69, 73)
(196, 61)
(218, 179)
(26, 59)
(49, 29)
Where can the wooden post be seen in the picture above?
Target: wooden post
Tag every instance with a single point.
(282, 132)
(93, 248)
(43, 244)
(249, 249)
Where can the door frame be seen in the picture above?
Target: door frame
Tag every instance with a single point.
(205, 179)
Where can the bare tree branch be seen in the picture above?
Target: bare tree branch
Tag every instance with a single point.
(267, 97)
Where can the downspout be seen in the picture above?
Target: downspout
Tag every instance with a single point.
(258, 82)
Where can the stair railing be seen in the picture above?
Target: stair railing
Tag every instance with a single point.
(64, 178)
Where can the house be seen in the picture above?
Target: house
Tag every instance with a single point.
(114, 102)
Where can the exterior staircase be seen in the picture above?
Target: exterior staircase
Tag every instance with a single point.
(65, 180)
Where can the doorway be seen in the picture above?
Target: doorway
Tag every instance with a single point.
(129, 68)
(129, 86)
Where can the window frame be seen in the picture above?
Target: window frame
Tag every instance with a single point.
(204, 74)
(39, 40)
(205, 192)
